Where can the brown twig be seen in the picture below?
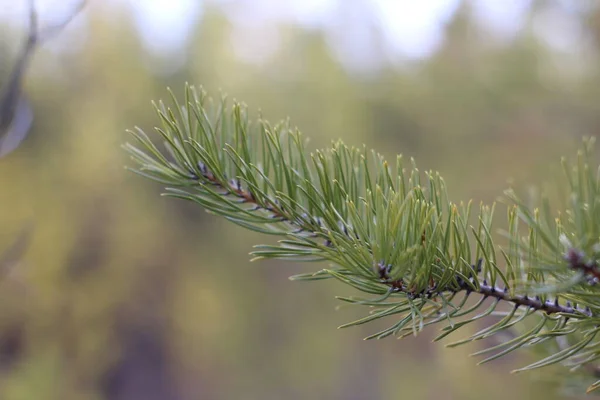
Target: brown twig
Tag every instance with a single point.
(577, 262)
(549, 307)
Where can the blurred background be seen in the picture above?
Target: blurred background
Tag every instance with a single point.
(123, 294)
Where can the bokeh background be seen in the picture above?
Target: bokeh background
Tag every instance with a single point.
(123, 294)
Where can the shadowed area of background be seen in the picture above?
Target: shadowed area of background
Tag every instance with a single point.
(123, 294)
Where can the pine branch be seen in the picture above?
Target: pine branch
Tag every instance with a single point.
(391, 231)
(234, 188)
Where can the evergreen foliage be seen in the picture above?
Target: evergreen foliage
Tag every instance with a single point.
(390, 230)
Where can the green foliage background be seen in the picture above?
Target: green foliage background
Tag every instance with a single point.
(125, 295)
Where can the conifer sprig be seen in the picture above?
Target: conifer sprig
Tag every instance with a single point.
(390, 230)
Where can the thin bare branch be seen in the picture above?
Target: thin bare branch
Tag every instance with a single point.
(15, 112)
